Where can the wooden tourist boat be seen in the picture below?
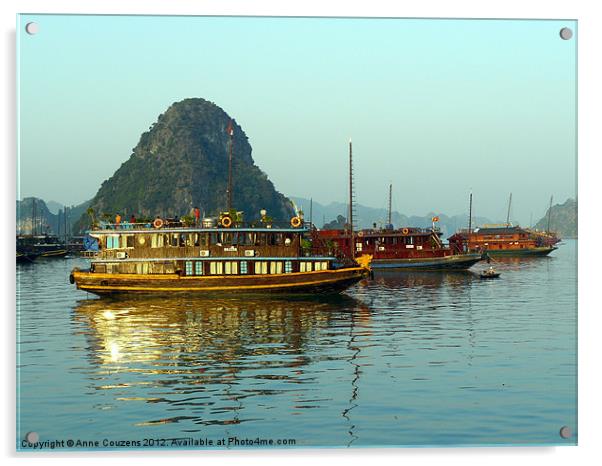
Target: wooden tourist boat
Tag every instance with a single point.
(500, 240)
(40, 246)
(247, 259)
(403, 248)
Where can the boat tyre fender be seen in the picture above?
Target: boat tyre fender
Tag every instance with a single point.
(158, 223)
(226, 222)
(405, 231)
(295, 222)
(71, 278)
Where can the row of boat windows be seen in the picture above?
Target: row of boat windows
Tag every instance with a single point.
(244, 267)
(392, 240)
(505, 237)
(160, 240)
(192, 268)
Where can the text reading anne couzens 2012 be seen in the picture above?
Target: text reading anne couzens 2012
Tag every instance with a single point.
(187, 442)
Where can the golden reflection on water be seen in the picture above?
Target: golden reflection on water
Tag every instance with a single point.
(198, 351)
(170, 331)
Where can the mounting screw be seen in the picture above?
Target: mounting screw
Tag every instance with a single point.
(32, 437)
(566, 33)
(565, 432)
(32, 28)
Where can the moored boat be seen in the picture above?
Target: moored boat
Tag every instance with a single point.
(33, 246)
(500, 240)
(489, 273)
(232, 259)
(403, 248)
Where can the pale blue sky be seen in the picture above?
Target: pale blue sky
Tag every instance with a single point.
(436, 107)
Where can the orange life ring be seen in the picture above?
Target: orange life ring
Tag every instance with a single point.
(158, 223)
(405, 231)
(226, 221)
(295, 222)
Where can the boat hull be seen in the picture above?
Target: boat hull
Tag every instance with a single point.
(527, 252)
(26, 258)
(323, 282)
(454, 262)
(54, 253)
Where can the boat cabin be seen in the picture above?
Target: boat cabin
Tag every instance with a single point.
(192, 251)
(493, 238)
(389, 243)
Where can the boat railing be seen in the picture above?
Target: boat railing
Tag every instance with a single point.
(167, 224)
(403, 230)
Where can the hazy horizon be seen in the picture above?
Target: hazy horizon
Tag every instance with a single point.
(436, 107)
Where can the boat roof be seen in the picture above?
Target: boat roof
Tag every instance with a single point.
(498, 230)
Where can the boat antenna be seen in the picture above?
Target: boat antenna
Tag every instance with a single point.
(311, 210)
(350, 218)
(470, 214)
(550, 213)
(390, 198)
(229, 189)
(508, 216)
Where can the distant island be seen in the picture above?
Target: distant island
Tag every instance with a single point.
(368, 216)
(563, 219)
(36, 215)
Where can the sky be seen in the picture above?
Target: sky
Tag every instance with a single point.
(438, 108)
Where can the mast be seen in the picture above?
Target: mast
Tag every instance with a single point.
(311, 210)
(508, 216)
(550, 213)
(229, 189)
(390, 198)
(470, 214)
(350, 217)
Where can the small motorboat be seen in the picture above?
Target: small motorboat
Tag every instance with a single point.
(489, 273)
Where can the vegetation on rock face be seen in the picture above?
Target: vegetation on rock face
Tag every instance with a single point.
(563, 219)
(182, 163)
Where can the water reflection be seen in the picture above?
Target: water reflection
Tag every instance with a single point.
(400, 279)
(206, 357)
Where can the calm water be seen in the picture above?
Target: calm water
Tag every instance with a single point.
(405, 359)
